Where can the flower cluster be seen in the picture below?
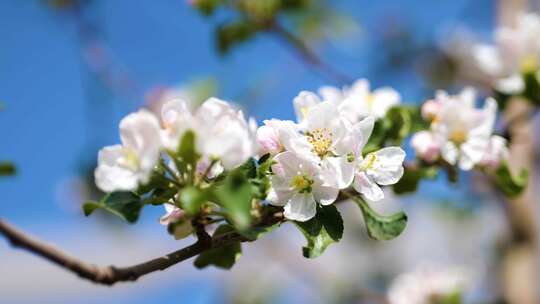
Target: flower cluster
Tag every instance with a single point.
(321, 153)
(460, 133)
(514, 52)
(427, 285)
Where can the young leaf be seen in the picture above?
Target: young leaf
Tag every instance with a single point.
(186, 155)
(321, 231)
(411, 178)
(381, 227)
(125, 205)
(234, 194)
(222, 257)
(7, 168)
(512, 186)
(191, 199)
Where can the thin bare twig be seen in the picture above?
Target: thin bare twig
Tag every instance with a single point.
(110, 275)
(307, 55)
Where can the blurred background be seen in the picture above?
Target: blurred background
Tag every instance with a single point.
(71, 69)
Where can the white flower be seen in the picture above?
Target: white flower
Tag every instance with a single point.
(427, 285)
(327, 133)
(279, 135)
(221, 131)
(382, 167)
(124, 167)
(515, 50)
(297, 184)
(427, 147)
(355, 102)
(359, 102)
(462, 130)
(496, 152)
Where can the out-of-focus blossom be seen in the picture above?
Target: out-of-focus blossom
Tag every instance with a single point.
(221, 131)
(354, 103)
(430, 109)
(426, 146)
(124, 167)
(460, 130)
(428, 285)
(299, 184)
(514, 51)
(496, 152)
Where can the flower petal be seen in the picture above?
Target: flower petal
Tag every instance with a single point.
(301, 207)
(388, 167)
(367, 187)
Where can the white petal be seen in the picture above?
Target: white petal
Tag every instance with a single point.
(383, 99)
(331, 94)
(388, 167)
(367, 187)
(109, 176)
(449, 153)
(278, 198)
(303, 102)
(511, 85)
(301, 207)
(325, 195)
(141, 132)
(472, 151)
(338, 171)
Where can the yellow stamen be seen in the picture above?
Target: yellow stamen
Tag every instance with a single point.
(369, 162)
(321, 141)
(458, 137)
(301, 183)
(130, 159)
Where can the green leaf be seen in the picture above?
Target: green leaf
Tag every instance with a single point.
(234, 33)
(222, 257)
(321, 231)
(234, 194)
(191, 199)
(512, 186)
(125, 205)
(411, 178)
(382, 227)
(7, 168)
(255, 233)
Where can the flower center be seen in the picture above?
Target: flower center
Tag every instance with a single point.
(458, 137)
(369, 162)
(129, 160)
(301, 183)
(370, 100)
(321, 140)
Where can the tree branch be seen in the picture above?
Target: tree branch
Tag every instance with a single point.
(307, 55)
(109, 275)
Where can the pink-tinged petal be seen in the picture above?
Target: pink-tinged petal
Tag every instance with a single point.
(367, 187)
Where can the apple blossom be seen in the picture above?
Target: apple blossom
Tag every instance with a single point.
(426, 145)
(355, 102)
(276, 136)
(124, 167)
(496, 152)
(221, 131)
(460, 131)
(515, 50)
(298, 184)
(427, 285)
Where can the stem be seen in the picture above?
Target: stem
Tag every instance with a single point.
(307, 55)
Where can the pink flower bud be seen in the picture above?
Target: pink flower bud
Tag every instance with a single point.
(495, 153)
(268, 141)
(430, 109)
(427, 148)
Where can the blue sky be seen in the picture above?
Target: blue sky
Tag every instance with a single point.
(44, 88)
